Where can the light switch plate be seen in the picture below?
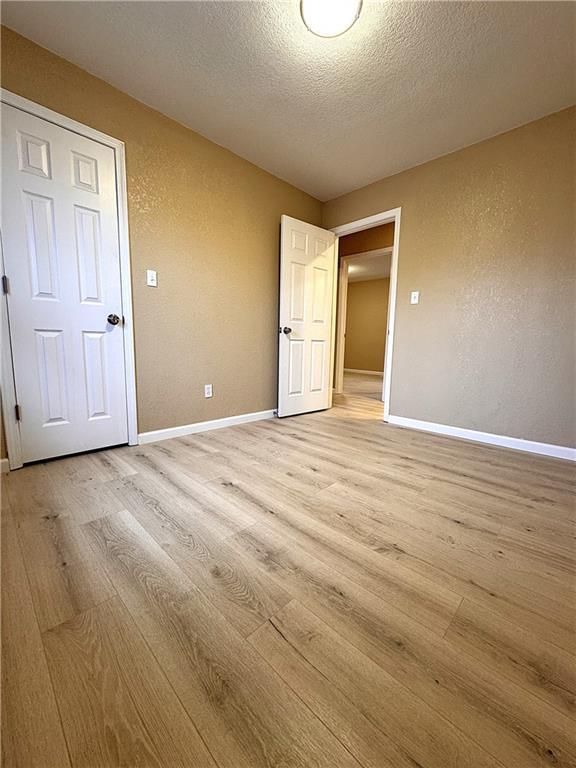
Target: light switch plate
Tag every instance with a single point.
(207, 390)
(414, 297)
(151, 278)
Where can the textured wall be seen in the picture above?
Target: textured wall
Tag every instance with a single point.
(488, 237)
(366, 320)
(208, 221)
(367, 240)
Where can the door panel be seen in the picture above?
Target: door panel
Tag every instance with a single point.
(297, 288)
(61, 255)
(96, 374)
(85, 172)
(318, 359)
(33, 155)
(88, 239)
(319, 292)
(296, 363)
(41, 240)
(52, 377)
(307, 273)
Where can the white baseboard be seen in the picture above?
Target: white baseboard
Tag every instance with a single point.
(4, 466)
(201, 426)
(367, 373)
(516, 443)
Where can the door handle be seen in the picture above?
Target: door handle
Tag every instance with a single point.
(113, 319)
(286, 330)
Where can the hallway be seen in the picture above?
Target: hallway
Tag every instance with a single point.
(362, 394)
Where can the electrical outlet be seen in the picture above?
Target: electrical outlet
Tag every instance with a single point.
(151, 278)
(207, 390)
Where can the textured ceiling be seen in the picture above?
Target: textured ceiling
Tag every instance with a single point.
(409, 82)
(370, 266)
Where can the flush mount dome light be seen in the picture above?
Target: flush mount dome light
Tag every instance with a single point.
(329, 18)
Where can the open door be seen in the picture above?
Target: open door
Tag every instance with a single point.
(307, 292)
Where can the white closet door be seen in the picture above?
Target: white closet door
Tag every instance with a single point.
(61, 257)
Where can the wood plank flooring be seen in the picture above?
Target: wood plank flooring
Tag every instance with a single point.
(324, 591)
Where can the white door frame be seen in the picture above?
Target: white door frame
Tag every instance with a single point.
(7, 383)
(386, 217)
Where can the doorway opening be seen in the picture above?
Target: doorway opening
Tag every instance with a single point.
(365, 259)
(366, 298)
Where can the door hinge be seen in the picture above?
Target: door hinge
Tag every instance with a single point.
(18, 412)
(5, 284)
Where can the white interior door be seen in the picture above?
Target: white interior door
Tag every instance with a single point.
(307, 274)
(61, 257)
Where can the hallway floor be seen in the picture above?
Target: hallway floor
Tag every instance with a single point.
(363, 395)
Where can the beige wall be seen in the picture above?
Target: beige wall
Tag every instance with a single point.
(488, 238)
(208, 221)
(367, 240)
(366, 317)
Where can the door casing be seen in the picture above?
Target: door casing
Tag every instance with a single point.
(7, 383)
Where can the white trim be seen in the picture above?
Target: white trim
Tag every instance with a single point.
(8, 386)
(387, 383)
(334, 310)
(126, 289)
(366, 373)
(366, 223)
(340, 323)
(516, 443)
(202, 426)
(13, 442)
(4, 466)
(386, 217)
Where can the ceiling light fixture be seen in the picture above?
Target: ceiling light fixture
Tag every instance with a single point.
(329, 18)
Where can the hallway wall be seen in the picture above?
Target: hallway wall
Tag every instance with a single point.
(366, 321)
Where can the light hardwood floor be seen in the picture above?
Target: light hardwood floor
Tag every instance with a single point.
(366, 386)
(324, 591)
